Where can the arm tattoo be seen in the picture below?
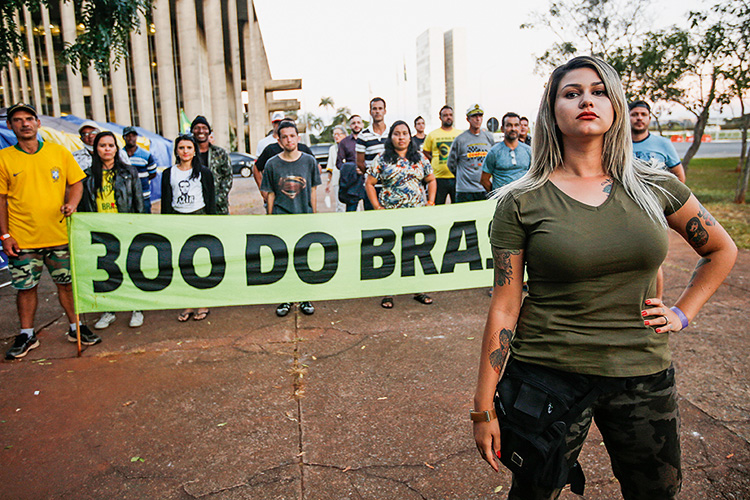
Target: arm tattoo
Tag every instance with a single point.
(503, 269)
(707, 217)
(701, 262)
(607, 186)
(499, 348)
(697, 235)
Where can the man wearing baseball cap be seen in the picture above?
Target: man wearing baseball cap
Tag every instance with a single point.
(40, 185)
(276, 118)
(143, 161)
(647, 146)
(467, 155)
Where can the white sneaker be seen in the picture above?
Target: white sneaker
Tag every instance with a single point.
(136, 320)
(106, 320)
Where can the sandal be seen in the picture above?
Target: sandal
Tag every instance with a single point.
(201, 315)
(387, 303)
(423, 298)
(184, 316)
(283, 309)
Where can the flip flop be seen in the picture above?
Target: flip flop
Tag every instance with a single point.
(200, 316)
(184, 316)
(387, 303)
(423, 298)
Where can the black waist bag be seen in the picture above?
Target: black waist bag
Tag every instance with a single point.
(535, 408)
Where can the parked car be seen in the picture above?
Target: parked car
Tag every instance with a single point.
(320, 151)
(242, 163)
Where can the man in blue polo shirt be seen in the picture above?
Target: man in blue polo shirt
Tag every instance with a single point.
(647, 146)
(143, 161)
(508, 160)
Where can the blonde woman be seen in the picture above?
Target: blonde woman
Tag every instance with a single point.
(590, 223)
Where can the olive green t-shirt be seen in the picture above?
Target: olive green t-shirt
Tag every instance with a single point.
(590, 269)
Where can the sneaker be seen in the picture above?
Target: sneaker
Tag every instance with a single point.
(307, 307)
(136, 320)
(87, 336)
(22, 345)
(106, 320)
(283, 309)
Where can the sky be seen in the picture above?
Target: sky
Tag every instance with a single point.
(352, 53)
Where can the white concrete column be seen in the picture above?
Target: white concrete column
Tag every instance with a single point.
(236, 97)
(51, 64)
(14, 91)
(35, 87)
(187, 37)
(216, 71)
(120, 95)
(22, 72)
(256, 75)
(7, 101)
(170, 123)
(75, 83)
(98, 109)
(144, 90)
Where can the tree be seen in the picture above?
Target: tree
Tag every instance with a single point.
(601, 28)
(107, 27)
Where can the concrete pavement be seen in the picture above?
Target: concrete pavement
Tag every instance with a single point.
(352, 402)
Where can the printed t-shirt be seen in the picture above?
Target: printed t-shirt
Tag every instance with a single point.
(590, 269)
(187, 193)
(467, 157)
(35, 186)
(438, 143)
(292, 183)
(657, 148)
(500, 163)
(403, 181)
(105, 198)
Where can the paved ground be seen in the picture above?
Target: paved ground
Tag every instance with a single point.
(353, 402)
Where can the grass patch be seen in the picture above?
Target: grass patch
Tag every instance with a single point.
(714, 181)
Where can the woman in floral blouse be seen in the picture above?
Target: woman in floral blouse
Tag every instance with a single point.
(404, 172)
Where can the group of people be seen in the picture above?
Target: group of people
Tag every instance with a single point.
(42, 183)
(585, 211)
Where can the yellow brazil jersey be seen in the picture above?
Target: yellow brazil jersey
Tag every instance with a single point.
(35, 187)
(438, 142)
(105, 198)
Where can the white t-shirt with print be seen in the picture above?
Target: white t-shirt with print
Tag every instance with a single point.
(187, 193)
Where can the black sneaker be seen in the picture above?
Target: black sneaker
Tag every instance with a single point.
(22, 345)
(307, 307)
(87, 336)
(283, 309)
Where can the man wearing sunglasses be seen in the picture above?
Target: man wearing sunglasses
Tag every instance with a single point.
(508, 160)
(87, 132)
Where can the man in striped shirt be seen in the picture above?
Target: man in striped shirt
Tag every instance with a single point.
(371, 141)
(143, 161)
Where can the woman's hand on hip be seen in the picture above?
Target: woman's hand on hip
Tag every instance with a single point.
(659, 316)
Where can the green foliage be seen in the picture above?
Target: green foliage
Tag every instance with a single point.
(107, 26)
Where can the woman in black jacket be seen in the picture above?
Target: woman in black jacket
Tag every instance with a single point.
(111, 187)
(188, 188)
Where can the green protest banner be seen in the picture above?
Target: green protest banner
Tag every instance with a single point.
(123, 262)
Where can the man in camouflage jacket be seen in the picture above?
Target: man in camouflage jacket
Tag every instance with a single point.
(216, 159)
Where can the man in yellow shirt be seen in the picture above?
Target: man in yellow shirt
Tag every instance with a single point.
(40, 185)
(436, 147)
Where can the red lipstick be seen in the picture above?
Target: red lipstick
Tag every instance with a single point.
(587, 115)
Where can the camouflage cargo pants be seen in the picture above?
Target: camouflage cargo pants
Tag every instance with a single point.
(641, 430)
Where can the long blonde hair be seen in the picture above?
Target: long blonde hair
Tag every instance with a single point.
(640, 179)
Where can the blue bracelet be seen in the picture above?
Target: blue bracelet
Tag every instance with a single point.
(681, 315)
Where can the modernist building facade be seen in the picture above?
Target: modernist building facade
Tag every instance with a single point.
(441, 72)
(202, 56)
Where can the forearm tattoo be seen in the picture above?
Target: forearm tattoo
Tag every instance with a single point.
(607, 185)
(499, 348)
(503, 269)
(701, 262)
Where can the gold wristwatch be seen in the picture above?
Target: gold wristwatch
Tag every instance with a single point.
(483, 416)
